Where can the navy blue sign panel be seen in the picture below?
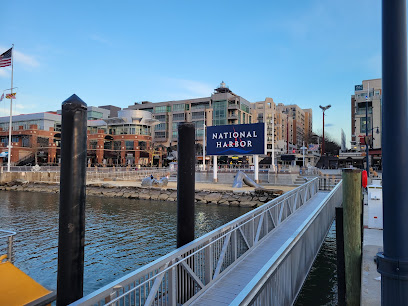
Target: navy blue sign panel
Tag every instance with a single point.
(240, 139)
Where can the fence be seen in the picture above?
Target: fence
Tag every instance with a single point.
(175, 278)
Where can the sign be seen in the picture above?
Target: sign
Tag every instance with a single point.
(358, 87)
(240, 139)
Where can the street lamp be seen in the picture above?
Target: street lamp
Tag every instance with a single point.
(324, 108)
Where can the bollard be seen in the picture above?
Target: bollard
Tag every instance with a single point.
(352, 193)
(71, 237)
(185, 183)
(341, 281)
(185, 203)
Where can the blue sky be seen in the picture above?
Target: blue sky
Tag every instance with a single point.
(308, 53)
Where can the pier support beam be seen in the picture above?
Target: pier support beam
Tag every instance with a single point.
(393, 262)
(352, 210)
(71, 239)
(256, 168)
(185, 183)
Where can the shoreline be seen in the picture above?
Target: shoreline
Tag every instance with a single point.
(205, 193)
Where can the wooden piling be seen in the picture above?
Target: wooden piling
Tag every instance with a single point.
(352, 210)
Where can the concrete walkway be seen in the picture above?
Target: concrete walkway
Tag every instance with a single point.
(370, 278)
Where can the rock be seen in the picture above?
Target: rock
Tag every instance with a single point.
(163, 196)
(234, 203)
(213, 197)
(263, 199)
(247, 204)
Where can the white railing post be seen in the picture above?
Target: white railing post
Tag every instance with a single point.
(208, 262)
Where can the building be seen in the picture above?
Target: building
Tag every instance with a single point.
(35, 137)
(221, 108)
(366, 94)
(143, 133)
(122, 140)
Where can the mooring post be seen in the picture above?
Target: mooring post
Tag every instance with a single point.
(185, 183)
(71, 239)
(352, 193)
(341, 280)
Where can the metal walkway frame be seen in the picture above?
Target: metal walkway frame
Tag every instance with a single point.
(180, 276)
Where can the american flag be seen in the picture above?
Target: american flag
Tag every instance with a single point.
(5, 58)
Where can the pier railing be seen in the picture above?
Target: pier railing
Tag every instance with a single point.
(281, 279)
(182, 274)
(6, 244)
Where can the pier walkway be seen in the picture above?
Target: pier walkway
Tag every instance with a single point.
(260, 258)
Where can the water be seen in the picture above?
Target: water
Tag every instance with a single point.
(320, 287)
(124, 234)
(121, 234)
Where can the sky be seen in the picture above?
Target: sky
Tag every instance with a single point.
(307, 52)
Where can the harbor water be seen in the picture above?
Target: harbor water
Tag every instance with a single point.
(123, 234)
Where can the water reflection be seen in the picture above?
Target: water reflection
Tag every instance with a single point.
(121, 234)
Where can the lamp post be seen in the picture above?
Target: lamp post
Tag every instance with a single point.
(324, 108)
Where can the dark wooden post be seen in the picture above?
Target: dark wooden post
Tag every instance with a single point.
(71, 239)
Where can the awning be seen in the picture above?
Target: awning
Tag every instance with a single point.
(3, 154)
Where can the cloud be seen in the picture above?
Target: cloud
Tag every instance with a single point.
(98, 38)
(22, 58)
(328, 124)
(25, 59)
(4, 73)
(189, 88)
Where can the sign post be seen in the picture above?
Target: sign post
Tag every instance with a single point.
(215, 166)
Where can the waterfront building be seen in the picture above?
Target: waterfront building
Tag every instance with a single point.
(222, 107)
(122, 140)
(35, 137)
(369, 92)
(145, 132)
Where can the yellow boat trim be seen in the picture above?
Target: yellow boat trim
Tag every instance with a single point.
(16, 287)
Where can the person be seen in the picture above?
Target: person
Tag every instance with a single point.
(151, 176)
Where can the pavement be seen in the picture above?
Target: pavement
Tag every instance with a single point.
(370, 278)
(198, 186)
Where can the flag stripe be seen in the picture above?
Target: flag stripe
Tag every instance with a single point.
(5, 58)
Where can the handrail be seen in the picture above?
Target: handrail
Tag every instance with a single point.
(9, 235)
(249, 293)
(178, 276)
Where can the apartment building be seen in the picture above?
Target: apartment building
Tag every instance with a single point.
(222, 107)
(367, 94)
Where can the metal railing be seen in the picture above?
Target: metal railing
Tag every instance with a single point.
(126, 175)
(178, 276)
(6, 239)
(280, 281)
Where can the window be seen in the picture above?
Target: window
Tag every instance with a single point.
(129, 145)
(198, 115)
(219, 113)
(363, 124)
(117, 145)
(161, 118)
(160, 127)
(178, 117)
(161, 109)
(160, 134)
(142, 145)
(179, 107)
(92, 144)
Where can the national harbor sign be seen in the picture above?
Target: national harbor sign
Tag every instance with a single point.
(240, 139)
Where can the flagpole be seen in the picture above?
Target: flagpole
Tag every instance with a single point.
(11, 109)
